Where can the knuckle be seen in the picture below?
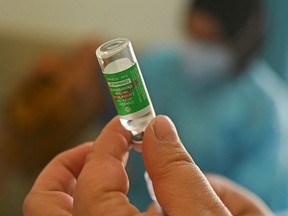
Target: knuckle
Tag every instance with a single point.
(28, 205)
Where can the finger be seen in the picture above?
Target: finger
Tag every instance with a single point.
(153, 209)
(54, 187)
(69, 164)
(237, 199)
(180, 187)
(103, 183)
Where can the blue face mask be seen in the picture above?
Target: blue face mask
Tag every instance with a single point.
(207, 63)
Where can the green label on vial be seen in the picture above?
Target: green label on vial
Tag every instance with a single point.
(127, 90)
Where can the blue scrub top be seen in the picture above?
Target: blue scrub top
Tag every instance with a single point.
(232, 128)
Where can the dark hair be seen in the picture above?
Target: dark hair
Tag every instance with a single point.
(243, 22)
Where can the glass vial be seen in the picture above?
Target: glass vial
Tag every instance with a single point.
(128, 90)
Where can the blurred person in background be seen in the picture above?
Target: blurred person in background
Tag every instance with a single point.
(211, 87)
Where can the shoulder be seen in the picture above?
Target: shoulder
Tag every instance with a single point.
(250, 99)
(269, 83)
(260, 84)
(274, 88)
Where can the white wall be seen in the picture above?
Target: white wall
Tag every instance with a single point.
(69, 20)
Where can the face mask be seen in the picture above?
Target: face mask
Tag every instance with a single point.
(207, 63)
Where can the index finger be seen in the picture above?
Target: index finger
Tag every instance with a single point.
(103, 183)
(113, 140)
(61, 173)
(108, 156)
(53, 189)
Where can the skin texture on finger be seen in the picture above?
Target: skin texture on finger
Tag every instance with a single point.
(237, 199)
(180, 187)
(53, 189)
(101, 191)
(103, 183)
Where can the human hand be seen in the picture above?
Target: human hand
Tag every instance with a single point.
(91, 180)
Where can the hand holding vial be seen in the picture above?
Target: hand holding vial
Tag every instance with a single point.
(91, 179)
(128, 90)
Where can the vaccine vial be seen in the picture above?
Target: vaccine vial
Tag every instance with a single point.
(125, 81)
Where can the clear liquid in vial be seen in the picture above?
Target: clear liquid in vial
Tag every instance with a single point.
(136, 122)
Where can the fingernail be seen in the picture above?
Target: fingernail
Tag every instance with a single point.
(164, 129)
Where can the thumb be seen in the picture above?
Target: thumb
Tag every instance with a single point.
(180, 186)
